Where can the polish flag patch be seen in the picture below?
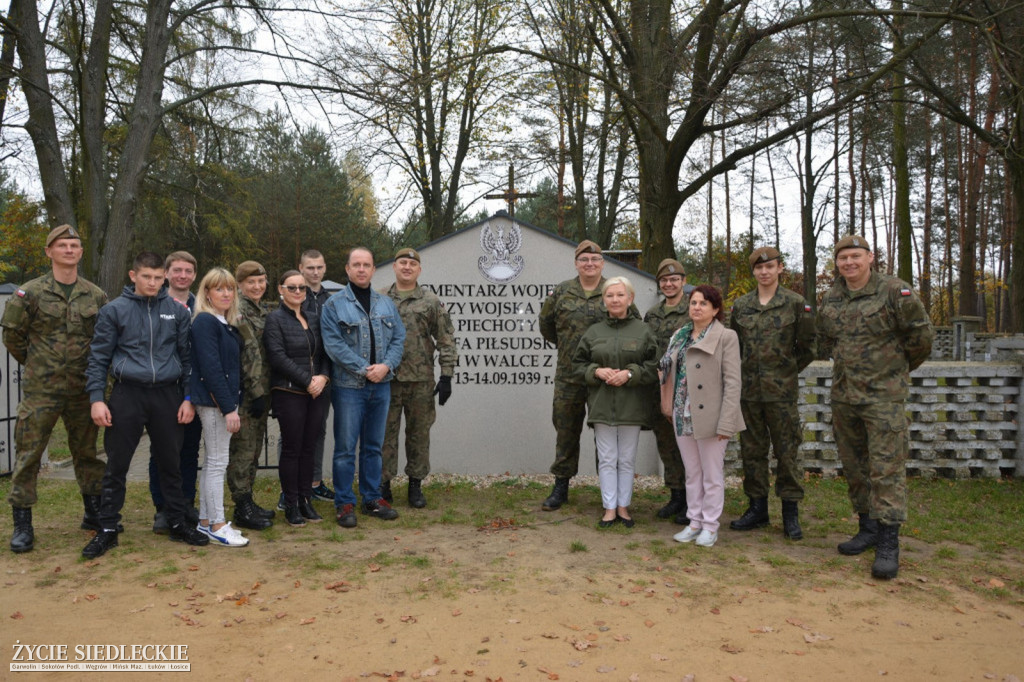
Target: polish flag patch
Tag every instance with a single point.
(904, 292)
(21, 293)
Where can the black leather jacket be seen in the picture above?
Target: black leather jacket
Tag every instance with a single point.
(294, 355)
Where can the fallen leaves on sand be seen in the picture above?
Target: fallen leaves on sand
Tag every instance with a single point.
(499, 523)
(141, 608)
(812, 637)
(659, 657)
(606, 668)
(17, 615)
(374, 568)
(456, 612)
(338, 586)
(730, 648)
(763, 628)
(307, 621)
(551, 675)
(408, 619)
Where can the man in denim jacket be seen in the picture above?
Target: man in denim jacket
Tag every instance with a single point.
(364, 337)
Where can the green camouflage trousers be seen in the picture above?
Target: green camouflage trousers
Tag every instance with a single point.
(568, 412)
(774, 426)
(244, 453)
(416, 400)
(873, 446)
(37, 415)
(668, 447)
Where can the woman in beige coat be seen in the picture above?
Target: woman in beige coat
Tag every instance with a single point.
(700, 394)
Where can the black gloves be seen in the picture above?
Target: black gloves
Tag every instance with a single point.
(443, 390)
(257, 407)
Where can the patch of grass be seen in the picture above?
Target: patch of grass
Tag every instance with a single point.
(947, 553)
(578, 546)
(777, 560)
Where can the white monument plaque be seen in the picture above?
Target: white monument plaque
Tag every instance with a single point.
(493, 277)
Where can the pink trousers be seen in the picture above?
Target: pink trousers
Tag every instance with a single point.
(704, 461)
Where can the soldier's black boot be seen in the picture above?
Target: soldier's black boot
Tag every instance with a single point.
(246, 515)
(24, 537)
(681, 518)
(559, 495)
(265, 513)
(385, 492)
(887, 552)
(791, 520)
(866, 537)
(676, 504)
(416, 498)
(756, 515)
(91, 518)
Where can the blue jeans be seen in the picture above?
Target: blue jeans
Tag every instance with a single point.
(360, 416)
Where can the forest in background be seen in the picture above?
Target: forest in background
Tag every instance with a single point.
(257, 129)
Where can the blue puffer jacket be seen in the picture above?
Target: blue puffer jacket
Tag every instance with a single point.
(216, 364)
(141, 340)
(345, 328)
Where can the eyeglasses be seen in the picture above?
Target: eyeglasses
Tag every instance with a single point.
(592, 259)
(296, 288)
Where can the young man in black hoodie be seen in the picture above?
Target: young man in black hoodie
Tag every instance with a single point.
(142, 341)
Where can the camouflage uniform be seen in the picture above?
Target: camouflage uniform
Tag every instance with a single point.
(427, 327)
(566, 314)
(777, 342)
(49, 334)
(664, 321)
(875, 336)
(247, 444)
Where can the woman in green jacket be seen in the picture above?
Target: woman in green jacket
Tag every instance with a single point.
(618, 359)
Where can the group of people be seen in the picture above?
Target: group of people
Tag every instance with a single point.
(211, 367)
(711, 377)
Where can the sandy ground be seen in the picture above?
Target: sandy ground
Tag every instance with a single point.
(455, 602)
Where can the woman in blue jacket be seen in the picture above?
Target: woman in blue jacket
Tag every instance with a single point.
(298, 377)
(215, 389)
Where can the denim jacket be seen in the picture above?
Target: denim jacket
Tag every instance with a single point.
(345, 328)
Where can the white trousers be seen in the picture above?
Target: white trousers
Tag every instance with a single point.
(215, 464)
(616, 461)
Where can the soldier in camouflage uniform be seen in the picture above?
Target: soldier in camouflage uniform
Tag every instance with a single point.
(246, 445)
(47, 327)
(776, 330)
(427, 327)
(665, 319)
(877, 331)
(568, 311)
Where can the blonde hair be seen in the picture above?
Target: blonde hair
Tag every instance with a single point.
(619, 280)
(216, 277)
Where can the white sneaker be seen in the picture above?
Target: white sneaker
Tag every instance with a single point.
(205, 530)
(687, 534)
(706, 538)
(228, 536)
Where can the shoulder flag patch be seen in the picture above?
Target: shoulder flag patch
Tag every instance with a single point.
(21, 293)
(807, 308)
(904, 292)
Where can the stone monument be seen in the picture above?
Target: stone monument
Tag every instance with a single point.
(494, 277)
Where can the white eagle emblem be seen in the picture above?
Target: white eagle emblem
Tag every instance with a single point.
(502, 262)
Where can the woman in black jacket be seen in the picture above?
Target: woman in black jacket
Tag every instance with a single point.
(298, 376)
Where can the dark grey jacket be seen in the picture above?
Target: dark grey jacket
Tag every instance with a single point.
(140, 340)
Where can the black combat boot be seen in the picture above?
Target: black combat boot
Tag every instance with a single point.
(260, 511)
(385, 492)
(91, 518)
(676, 504)
(887, 553)
(756, 515)
(681, 518)
(416, 498)
(866, 537)
(246, 515)
(791, 520)
(24, 537)
(559, 495)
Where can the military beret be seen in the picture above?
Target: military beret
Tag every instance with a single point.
(763, 255)
(408, 253)
(669, 266)
(247, 269)
(587, 246)
(850, 241)
(62, 232)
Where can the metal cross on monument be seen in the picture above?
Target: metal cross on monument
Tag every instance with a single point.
(512, 195)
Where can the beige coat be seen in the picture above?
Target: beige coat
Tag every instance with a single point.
(713, 379)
